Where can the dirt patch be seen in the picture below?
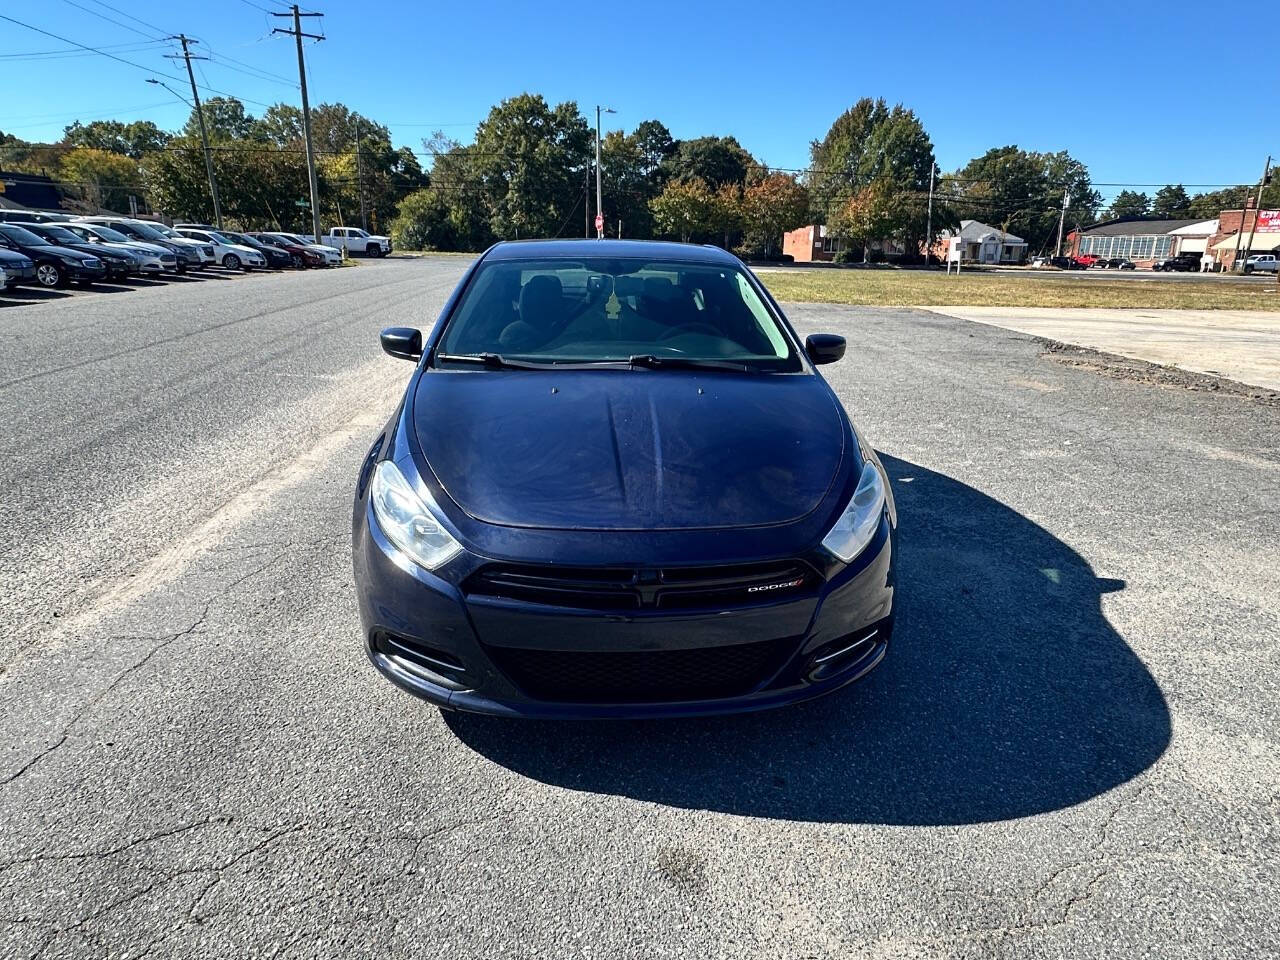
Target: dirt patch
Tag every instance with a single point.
(1140, 371)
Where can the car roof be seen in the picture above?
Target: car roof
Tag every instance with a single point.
(636, 249)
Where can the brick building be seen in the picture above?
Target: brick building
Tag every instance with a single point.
(1257, 238)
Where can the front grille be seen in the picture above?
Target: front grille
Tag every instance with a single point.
(630, 588)
(702, 673)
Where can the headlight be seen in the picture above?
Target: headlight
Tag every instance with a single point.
(406, 521)
(861, 518)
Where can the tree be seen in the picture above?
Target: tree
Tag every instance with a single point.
(653, 141)
(876, 212)
(683, 208)
(423, 223)
(224, 119)
(106, 179)
(1172, 202)
(131, 139)
(713, 160)
(1210, 204)
(1007, 185)
(774, 205)
(868, 143)
(1127, 203)
(530, 162)
(281, 124)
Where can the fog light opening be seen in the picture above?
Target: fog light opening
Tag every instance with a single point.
(842, 654)
(430, 663)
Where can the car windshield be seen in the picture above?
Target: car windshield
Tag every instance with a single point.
(292, 238)
(112, 236)
(23, 236)
(615, 309)
(60, 235)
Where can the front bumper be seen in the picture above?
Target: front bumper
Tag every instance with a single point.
(459, 651)
(79, 270)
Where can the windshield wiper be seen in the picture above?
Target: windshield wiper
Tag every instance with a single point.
(495, 361)
(685, 363)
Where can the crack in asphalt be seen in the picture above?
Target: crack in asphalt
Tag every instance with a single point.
(97, 698)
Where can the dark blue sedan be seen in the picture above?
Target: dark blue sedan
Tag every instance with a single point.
(617, 486)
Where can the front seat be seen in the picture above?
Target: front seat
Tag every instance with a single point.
(541, 314)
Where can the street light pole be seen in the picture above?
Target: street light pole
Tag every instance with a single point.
(599, 189)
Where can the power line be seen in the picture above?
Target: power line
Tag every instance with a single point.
(127, 16)
(151, 34)
(130, 63)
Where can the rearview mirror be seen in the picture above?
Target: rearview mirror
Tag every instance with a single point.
(404, 343)
(824, 347)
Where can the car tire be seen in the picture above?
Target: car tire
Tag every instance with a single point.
(375, 251)
(296, 262)
(1247, 270)
(231, 262)
(50, 276)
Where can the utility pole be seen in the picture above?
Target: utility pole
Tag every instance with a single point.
(364, 219)
(1062, 218)
(928, 230)
(297, 34)
(599, 197)
(204, 134)
(1244, 214)
(586, 200)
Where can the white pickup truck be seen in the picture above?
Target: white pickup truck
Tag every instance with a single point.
(1261, 263)
(357, 241)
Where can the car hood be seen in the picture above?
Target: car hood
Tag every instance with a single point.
(629, 450)
(57, 250)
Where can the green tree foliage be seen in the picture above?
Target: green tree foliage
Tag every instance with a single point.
(103, 178)
(1129, 203)
(224, 118)
(529, 162)
(877, 211)
(632, 166)
(1213, 202)
(1172, 203)
(259, 186)
(868, 143)
(423, 222)
(131, 139)
(713, 160)
(769, 208)
(1023, 190)
(685, 207)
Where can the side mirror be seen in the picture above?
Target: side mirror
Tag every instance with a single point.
(824, 347)
(405, 343)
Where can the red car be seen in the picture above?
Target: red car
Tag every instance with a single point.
(302, 257)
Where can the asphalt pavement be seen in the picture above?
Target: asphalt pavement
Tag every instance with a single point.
(1071, 749)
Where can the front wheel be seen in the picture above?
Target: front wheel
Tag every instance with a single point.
(231, 261)
(375, 251)
(50, 275)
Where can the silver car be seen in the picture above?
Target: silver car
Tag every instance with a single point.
(152, 258)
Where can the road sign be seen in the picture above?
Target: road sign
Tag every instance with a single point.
(599, 222)
(301, 203)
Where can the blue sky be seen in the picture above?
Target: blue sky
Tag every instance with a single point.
(1134, 92)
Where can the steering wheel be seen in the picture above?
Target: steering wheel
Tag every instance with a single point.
(697, 326)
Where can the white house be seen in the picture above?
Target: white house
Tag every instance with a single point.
(977, 242)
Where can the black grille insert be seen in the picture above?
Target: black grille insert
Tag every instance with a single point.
(701, 673)
(624, 588)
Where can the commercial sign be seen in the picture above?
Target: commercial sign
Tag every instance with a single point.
(1268, 221)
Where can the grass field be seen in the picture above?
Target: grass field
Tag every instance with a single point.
(902, 288)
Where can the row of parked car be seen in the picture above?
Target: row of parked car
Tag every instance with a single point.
(54, 250)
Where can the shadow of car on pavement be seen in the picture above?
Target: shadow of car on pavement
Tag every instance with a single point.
(1005, 693)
